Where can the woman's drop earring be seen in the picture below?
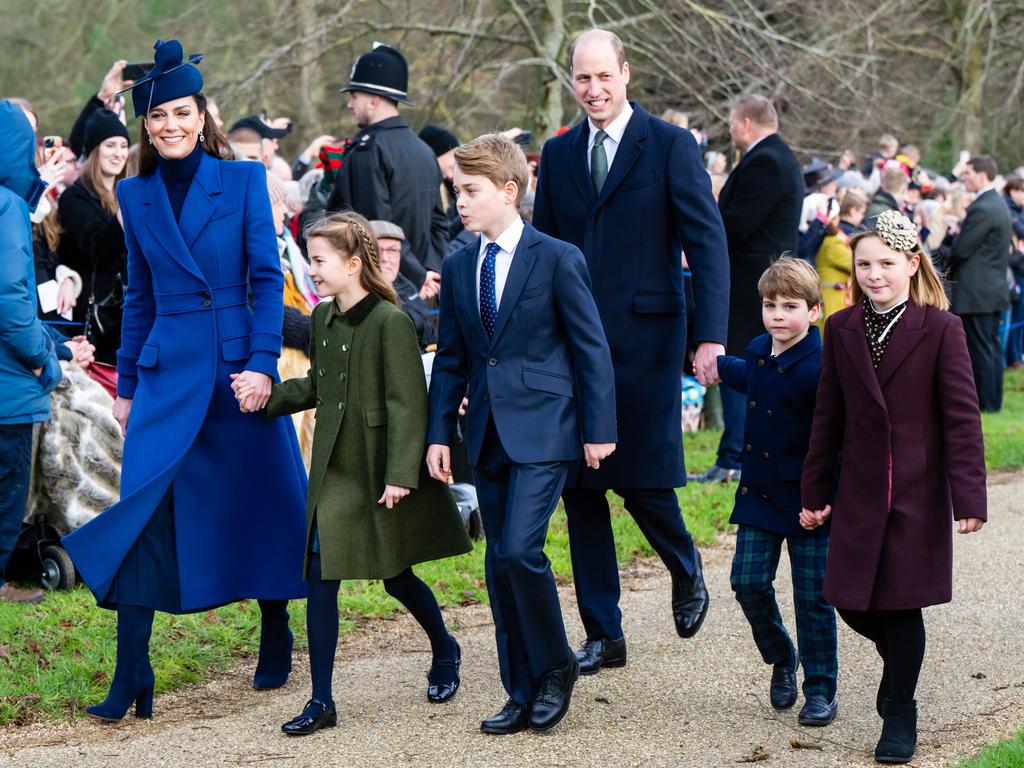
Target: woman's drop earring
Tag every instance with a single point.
(202, 138)
(149, 138)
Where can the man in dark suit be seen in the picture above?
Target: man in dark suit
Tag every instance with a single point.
(631, 192)
(978, 260)
(760, 205)
(519, 335)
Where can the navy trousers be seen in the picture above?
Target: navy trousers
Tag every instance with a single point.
(734, 416)
(592, 547)
(516, 502)
(15, 472)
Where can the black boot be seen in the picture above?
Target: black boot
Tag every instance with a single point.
(899, 733)
(276, 641)
(882, 697)
(133, 674)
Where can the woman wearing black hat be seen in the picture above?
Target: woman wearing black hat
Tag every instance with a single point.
(212, 505)
(93, 241)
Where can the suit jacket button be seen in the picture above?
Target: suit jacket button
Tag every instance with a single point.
(765, 455)
(485, 398)
(744, 490)
(749, 447)
(492, 362)
(760, 363)
(752, 404)
(764, 497)
(769, 413)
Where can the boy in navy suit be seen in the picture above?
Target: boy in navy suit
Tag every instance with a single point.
(780, 378)
(520, 336)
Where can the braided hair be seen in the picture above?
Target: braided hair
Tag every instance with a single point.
(349, 233)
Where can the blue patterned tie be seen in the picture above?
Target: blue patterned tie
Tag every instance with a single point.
(488, 293)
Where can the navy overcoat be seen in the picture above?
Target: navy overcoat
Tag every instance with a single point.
(238, 480)
(780, 407)
(655, 203)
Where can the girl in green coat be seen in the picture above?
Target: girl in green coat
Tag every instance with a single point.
(372, 511)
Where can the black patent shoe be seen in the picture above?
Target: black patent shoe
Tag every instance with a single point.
(315, 715)
(554, 691)
(443, 677)
(690, 600)
(818, 711)
(512, 718)
(603, 652)
(782, 692)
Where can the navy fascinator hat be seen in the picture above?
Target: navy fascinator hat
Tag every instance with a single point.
(172, 77)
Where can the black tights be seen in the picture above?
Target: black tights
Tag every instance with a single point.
(322, 621)
(899, 639)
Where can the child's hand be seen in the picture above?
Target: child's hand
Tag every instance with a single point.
(971, 525)
(252, 390)
(392, 495)
(464, 405)
(811, 519)
(595, 453)
(439, 462)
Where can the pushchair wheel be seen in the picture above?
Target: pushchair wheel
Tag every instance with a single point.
(58, 572)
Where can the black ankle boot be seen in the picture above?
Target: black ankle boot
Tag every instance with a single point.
(133, 674)
(899, 733)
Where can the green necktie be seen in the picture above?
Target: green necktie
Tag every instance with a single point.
(598, 162)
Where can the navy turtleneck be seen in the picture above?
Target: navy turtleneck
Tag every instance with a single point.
(177, 176)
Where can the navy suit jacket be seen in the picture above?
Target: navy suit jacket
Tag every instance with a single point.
(655, 203)
(545, 376)
(781, 393)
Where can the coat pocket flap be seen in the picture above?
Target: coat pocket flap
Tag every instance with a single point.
(554, 383)
(790, 470)
(148, 356)
(658, 303)
(236, 348)
(377, 418)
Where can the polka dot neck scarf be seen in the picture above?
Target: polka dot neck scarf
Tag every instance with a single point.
(879, 327)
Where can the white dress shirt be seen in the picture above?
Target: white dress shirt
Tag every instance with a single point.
(615, 129)
(507, 242)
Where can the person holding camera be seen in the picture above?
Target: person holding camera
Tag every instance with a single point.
(93, 240)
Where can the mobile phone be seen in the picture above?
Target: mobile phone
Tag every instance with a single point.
(964, 156)
(52, 145)
(135, 70)
(524, 139)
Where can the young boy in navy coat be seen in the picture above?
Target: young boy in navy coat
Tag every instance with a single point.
(520, 336)
(780, 378)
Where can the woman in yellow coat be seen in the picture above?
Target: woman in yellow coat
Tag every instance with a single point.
(835, 260)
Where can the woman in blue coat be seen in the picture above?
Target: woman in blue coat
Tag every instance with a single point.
(212, 503)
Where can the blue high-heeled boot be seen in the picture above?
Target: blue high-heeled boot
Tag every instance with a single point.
(133, 674)
(276, 641)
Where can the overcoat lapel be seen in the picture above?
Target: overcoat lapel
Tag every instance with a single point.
(906, 336)
(856, 342)
(162, 226)
(578, 162)
(522, 265)
(627, 153)
(200, 203)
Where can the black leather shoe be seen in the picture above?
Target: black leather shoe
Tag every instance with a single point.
(443, 677)
(315, 715)
(690, 600)
(554, 691)
(715, 474)
(594, 654)
(899, 733)
(818, 711)
(783, 689)
(512, 718)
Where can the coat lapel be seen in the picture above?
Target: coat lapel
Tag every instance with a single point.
(578, 162)
(855, 340)
(627, 153)
(162, 226)
(200, 204)
(906, 336)
(522, 265)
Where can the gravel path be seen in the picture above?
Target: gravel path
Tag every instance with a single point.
(700, 702)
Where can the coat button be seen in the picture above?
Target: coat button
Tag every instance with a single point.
(492, 362)
(344, 347)
(206, 295)
(752, 404)
(486, 398)
(342, 377)
(749, 447)
(744, 490)
(769, 413)
(325, 342)
(764, 497)
(319, 401)
(207, 302)
(765, 455)
(341, 406)
(321, 371)
(760, 363)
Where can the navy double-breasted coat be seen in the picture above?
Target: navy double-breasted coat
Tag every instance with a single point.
(203, 301)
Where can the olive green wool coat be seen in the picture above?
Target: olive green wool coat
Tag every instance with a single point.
(366, 382)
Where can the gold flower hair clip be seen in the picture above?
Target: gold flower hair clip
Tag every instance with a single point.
(896, 231)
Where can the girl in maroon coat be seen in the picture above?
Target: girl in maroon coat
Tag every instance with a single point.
(897, 407)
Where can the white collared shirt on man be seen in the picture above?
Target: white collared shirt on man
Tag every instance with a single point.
(507, 241)
(615, 130)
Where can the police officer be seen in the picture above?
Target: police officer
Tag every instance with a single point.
(388, 173)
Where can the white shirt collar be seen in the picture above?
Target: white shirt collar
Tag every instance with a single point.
(616, 128)
(508, 240)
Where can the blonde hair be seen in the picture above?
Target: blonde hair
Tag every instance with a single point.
(925, 285)
(792, 278)
(349, 234)
(852, 200)
(497, 158)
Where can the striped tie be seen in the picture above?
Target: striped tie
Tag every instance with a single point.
(488, 293)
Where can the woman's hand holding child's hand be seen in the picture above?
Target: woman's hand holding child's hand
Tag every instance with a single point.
(252, 390)
(813, 519)
(392, 495)
(971, 525)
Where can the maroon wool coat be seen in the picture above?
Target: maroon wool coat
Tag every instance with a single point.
(908, 437)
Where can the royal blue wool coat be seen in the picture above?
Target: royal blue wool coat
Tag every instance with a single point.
(655, 203)
(238, 481)
(780, 408)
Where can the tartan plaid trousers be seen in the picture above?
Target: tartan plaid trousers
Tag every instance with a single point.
(753, 570)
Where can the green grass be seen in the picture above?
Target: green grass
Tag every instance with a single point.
(57, 657)
(1008, 753)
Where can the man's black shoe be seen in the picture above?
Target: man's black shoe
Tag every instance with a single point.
(511, 719)
(554, 691)
(690, 600)
(715, 474)
(594, 654)
(783, 689)
(818, 711)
